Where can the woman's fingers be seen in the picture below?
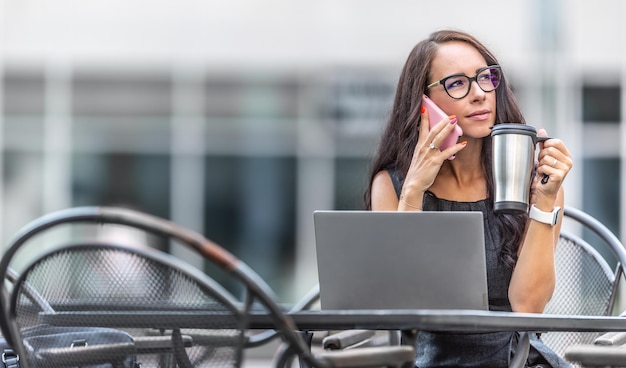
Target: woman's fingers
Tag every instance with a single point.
(431, 139)
(424, 123)
(554, 162)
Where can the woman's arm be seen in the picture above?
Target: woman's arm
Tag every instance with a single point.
(533, 279)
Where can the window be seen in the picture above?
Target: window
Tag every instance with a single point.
(601, 104)
(250, 211)
(350, 182)
(601, 199)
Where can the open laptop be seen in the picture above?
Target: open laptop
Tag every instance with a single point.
(401, 260)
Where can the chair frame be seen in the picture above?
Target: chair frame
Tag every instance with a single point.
(602, 231)
(141, 344)
(608, 237)
(596, 354)
(614, 275)
(256, 288)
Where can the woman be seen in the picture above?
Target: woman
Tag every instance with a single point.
(410, 173)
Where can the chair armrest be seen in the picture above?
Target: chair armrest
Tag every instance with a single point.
(86, 355)
(594, 355)
(148, 344)
(611, 339)
(371, 357)
(344, 339)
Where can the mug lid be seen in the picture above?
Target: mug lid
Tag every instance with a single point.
(514, 128)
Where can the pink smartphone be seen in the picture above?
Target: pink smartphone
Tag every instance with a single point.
(435, 115)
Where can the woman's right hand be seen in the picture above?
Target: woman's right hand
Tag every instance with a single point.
(427, 158)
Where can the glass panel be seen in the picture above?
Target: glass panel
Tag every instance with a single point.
(134, 181)
(358, 104)
(122, 133)
(23, 177)
(602, 197)
(350, 182)
(223, 97)
(601, 104)
(23, 93)
(257, 97)
(110, 95)
(250, 210)
(23, 133)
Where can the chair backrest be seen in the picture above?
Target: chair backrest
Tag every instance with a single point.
(585, 283)
(123, 304)
(106, 279)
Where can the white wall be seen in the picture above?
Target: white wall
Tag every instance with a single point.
(272, 32)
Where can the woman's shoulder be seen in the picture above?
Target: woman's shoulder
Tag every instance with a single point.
(396, 177)
(383, 190)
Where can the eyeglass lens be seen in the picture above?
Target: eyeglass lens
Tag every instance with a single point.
(459, 86)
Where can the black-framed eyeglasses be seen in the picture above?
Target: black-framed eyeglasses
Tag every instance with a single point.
(458, 86)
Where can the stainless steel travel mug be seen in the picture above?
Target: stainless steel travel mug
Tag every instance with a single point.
(513, 163)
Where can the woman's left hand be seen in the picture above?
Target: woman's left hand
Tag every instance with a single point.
(554, 162)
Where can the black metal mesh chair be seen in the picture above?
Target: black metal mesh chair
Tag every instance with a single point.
(116, 305)
(585, 284)
(87, 283)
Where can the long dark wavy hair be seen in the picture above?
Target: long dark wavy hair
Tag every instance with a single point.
(400, 135)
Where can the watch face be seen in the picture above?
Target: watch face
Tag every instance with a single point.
(557, 215)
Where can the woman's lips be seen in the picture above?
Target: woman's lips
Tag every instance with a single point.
(480, 115)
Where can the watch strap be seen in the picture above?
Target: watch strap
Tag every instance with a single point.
(549, 218)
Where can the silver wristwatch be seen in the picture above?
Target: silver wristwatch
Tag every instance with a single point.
(550, 218)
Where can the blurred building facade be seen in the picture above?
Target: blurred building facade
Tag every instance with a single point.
(240, 118)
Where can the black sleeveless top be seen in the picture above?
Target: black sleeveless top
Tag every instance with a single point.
(436, 349)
